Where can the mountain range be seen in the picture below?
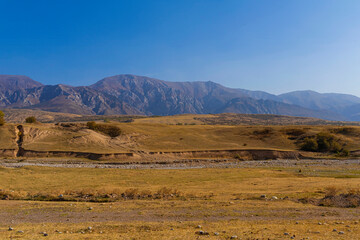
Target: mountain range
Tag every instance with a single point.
(131, 94)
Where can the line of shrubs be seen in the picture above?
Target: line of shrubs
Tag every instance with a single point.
(324, 142)
(110, 130)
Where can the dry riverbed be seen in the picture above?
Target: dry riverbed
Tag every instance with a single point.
(181, 164)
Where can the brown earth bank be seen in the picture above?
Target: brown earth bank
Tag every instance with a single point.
(222, 154)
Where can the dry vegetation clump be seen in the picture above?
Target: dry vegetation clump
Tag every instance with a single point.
(31, 119)
(266, 132)
(294, 133)
(334, 197)
(90, 195)
(110, 130)
(347, 131)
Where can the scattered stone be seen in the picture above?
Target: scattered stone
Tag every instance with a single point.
(234, 237)
(202, 233)
(171, 229)
(274, 198)
(297, 223)
(334, 230)
(341, 232)
(263, 196)
(347, 226)
(60, 196)
(286, 234)
(216, 233)
(45, 234)
(198, 226)
(90, 208)
(89, 228)
(231, 202)
(20, 231)
(10, 229)
(292, 237)
(319, 223)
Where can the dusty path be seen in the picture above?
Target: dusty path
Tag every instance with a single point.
(200, 163)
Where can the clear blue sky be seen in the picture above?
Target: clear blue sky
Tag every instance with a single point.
(275, 46)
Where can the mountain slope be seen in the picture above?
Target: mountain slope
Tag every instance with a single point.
(12, 83)
(130, 94)
(317, 101)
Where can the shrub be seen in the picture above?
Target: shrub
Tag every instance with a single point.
(2, 120)
(110, 130)
(31, 119)
(309, 144)
(91, 125)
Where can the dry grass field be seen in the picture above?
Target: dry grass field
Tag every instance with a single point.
(296, 199)
(224, 202)
(164, 137)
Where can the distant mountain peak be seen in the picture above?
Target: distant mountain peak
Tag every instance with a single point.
(17, 82)
(132, 94)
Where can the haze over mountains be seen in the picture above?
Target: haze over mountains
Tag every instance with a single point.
(130, 94)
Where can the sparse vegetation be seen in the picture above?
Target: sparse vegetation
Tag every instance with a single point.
(335, 197)
(31, 119)
(89, 195)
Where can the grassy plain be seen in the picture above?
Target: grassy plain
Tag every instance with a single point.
(222, 200)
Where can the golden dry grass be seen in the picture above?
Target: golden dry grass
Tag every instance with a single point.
(164, 137)
(234, 209)
(7, 137)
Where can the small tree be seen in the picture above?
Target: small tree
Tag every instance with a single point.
(2, 120)
(310, 144)
(31, 119)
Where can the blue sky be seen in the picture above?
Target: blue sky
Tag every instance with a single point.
(275, 46)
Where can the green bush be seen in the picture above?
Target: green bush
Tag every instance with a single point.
(31, 119)
(2, 120)
(323, 142)
(310, 144)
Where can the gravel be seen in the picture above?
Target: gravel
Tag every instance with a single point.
(303, 163)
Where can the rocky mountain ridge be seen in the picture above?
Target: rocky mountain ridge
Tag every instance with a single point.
(131, 94)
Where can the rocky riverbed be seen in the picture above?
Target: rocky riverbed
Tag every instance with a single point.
(185, 164)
